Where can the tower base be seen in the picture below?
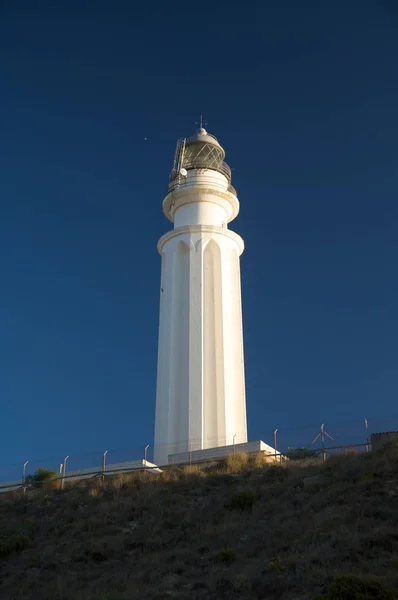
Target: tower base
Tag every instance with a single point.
(221, 451)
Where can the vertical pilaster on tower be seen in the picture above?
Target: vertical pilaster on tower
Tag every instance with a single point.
(200, 398)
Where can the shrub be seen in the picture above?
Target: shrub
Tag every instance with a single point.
(12, 541)
(276, 564)
(299, 453)
(121, 481)
(352, 587)
(389, 448)
(259, 460)
(243, 501)
(42, 477)
(344, 467)
(276, 473)
(28, 526)
(235, 463)
(33, 561)
(227, 555)
(193, 470)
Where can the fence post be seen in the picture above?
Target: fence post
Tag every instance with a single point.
(104, 465)
(63, 472)
(234, 442)
(190, 452)
(24, 476)
(145, 457)
(367, 435)
(275, 432)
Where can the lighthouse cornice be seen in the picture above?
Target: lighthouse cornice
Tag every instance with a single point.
(179, 197)
(200, 230)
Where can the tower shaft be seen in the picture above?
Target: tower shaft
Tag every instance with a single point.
(200, 399)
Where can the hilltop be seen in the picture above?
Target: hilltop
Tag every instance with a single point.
(241, 529)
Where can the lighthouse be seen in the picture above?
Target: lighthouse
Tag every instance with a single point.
(200, 396)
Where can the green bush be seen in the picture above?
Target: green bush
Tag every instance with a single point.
(276, 564)
(42, 477)
(227, 555)
(12, 541)
(243, 501)
(299, 453)
(352, 587)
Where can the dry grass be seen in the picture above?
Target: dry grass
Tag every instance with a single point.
(239, 530)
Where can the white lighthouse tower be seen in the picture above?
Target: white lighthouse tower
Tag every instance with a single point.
(200, 399)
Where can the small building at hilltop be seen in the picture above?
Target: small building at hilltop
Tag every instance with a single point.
(380, 439)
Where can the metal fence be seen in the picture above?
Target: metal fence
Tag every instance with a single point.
(286, 443)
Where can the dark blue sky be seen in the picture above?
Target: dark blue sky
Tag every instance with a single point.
(303, 96)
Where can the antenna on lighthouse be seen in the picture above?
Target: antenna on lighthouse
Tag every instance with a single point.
(201, 122)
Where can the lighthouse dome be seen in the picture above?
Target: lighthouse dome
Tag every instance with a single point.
(202, 137)
(200, 151)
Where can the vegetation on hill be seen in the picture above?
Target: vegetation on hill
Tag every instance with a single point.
(42, 477)
(242, 529)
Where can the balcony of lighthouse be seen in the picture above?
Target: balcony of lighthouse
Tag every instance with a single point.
(199, 173)
(201, 196)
